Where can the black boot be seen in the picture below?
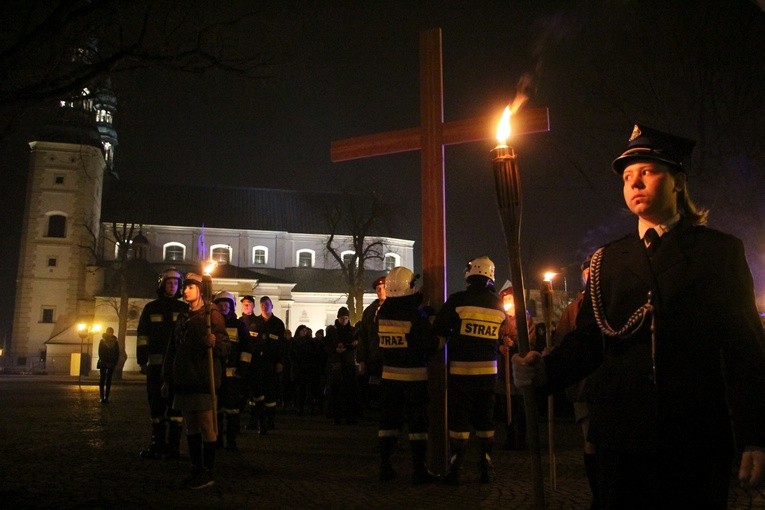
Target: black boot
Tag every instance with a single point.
(591, 468)
(452, 476)
(387, 445)
(172, 449)
(232, 430)
(485, 468)
(420, 472)
(157, 446)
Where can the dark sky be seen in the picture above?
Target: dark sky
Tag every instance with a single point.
(351, 68)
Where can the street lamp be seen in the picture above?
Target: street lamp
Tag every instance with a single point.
(84, 329)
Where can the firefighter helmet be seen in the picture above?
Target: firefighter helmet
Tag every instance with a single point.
(400, 282)
(482, 266)
(224, 294)
(168, 274)
(192, 279)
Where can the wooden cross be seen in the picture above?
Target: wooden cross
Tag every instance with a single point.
(431, 137)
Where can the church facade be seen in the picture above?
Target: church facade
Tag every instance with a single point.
(78, 216)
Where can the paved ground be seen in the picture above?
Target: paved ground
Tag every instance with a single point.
(61, 448)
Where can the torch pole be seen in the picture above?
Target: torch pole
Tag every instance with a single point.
(547, 303)
(508, 387)
(207, 284)
(508, 187)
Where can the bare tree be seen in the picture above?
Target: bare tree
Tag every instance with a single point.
(357, 216)
(53, 50)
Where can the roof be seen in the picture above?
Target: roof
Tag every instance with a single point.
(221, 207)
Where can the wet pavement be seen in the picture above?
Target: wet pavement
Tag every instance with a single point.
(61, 448)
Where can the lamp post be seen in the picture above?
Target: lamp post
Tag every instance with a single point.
(84, 329)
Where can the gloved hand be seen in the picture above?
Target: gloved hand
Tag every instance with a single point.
(751, 474)
(528, 370)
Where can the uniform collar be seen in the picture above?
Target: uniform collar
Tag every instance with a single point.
(661, 229)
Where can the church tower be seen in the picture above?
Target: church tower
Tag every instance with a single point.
(68, 164)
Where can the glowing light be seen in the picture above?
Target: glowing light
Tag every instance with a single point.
(209, 268)
(504, 130)
(549, 276)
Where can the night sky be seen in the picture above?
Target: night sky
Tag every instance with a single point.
(344, 69)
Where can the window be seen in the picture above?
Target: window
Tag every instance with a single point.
(59, 179)
(306, 258)
(347, 257)
(391, 260)
(174, 252)
(52, 262)
(220, 253)
(47, 315)
(260, 256)
(130, 252)
(56, 226)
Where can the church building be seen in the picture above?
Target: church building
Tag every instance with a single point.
(79, 215)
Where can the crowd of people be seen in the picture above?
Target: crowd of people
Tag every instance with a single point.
(662, 354)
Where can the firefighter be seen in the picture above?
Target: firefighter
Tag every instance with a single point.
(155, 327)
(370, 366)
(267, 332)
(405, 343)
(248, 315)
(231, 400)
(470, 322)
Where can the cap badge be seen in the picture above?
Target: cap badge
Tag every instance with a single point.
(635, 133)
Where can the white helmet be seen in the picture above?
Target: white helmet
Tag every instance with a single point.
(224, 294)
(482, 266)
(400, 282)
(168, 274)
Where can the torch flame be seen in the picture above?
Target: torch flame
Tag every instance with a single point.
(549, 276)
(210, 267)
(504, 130)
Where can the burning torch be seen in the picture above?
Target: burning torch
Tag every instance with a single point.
(508, 187)
(546, 292)
(207, 295)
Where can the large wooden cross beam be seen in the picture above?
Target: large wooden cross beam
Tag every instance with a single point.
(430, 138)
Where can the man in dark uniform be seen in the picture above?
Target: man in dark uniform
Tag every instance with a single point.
(470, 323)
(367, 353)
(267, 361)
(669, 320)
(405, 343)
(155, 327)
(233, 384)
(248, 314)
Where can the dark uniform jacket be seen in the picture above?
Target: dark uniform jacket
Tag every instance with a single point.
(707, 334)
(240, 352)
(267, 345)
(367, 351)
(155, 327)
(471, 321)
(186, 365)
(405, 341)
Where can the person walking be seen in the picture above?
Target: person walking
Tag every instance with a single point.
(670, 323)
(470, 322)
(186, 369)
(108, 356)
(155, 327)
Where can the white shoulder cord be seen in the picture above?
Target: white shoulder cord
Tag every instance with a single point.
(636, 320)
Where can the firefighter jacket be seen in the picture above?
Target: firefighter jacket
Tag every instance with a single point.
(368, 351)
(186, 366)
(405, 341)
(155, 328)
(267, 344)
(240, 354)
(471, 322)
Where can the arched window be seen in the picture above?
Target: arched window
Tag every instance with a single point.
(174, 252)
(259, 256)
(306, 258)
(221, 253)
(391, 260)
(347, 257)
(56, 226)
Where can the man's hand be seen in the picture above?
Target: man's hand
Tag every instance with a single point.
(210, 340)
(362, 368)
(279, 368)
(528, 370)
(144, 370)
(751, 474)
